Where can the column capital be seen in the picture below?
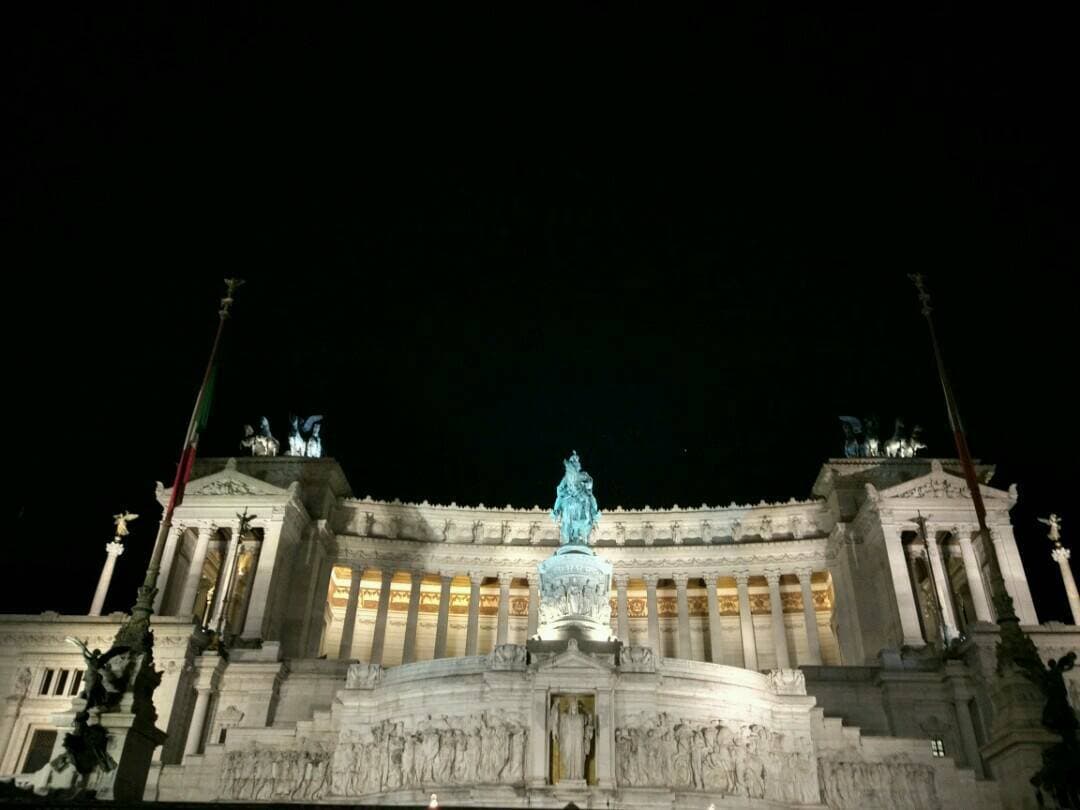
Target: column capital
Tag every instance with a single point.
(387, 575)
(1061, 554)
(416, 577)
(804, 572)
(533, 578)
(505, 578)
(447, 576)
(772, 576)
(476, 578)
(621, 580)
(116, 548)
(651, 580)
(680, 580)
(208, 528)
(741, 577)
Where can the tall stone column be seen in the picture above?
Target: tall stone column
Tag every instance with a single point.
(167, 558)
(208, 668)
(622, 606)
(225, 579)
(974, 576)
(194, 575)
(534, 604)
(472, 635)
(813, 639)
(113, 550)
(746, 620)
(776, 606)
(905, 596)
(502, 630)
(654, 612)
(1012, 569)
(941, 586)
(408, 652)
(715, 639)
(1061, 556)
(349, 628)
(378, 638)
(442, 629)
(256, 624)
(684, 616)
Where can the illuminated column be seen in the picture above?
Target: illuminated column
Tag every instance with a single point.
(746, 620)
(534, 604)
(167, 558)
(442, 629)
(813, 640)
(113, 550)
(347, 630)
(207, 673)
(225, 579)
(379, 636)
(654, 615)
(783, 660)
(1061, 556)
(684, 616)
(408, 653)
(255, 622)
(941, 586)
(502, 630)
(901, 579)
(1013, 571)
(194, 574)
(473, 631)
(622, 606)
(715, 641)
(973, 575)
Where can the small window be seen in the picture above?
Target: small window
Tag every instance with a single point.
(61, 682)
(46, 682)
(40, 749)
(937, 746)
(221, 736)
(76, 682)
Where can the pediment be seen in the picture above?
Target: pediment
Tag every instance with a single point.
(939, 484)
(227, 483)
(575, 659)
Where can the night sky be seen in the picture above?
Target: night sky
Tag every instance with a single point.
(678, 245)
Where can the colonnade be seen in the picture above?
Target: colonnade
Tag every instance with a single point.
(777, 641)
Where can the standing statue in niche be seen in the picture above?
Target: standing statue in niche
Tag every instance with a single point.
(575, 508)
(572, 730)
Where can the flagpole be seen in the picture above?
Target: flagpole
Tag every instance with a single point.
(135, 632)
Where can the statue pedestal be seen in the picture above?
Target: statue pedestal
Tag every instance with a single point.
(132, 740)
(575, 593)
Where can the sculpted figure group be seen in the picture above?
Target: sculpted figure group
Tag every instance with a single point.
(574, 597)
(478, 749)
(740, 760)
(894, 785)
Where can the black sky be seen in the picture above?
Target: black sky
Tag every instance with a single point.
(678, 245)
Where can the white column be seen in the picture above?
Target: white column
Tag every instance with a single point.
(167, 558)
(813, 640)
(349, 627)
(442, 629)
(534, 604)
(408, 653)
(256, 625)
(187, 604)
(622, 607)
(319, 574)
(113, 550)
(502, 630)
(1061, 557)
(1013, 571)
(207, 674)
(746, 620)
(654, 613)
(684, 616)
(974, 575)
(715, 640)
(776, 606)
(225, 579)
(905, 596)
(941, 586)
(378, 638)
(473, 630)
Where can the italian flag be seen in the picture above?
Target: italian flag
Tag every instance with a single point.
(198, 425)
